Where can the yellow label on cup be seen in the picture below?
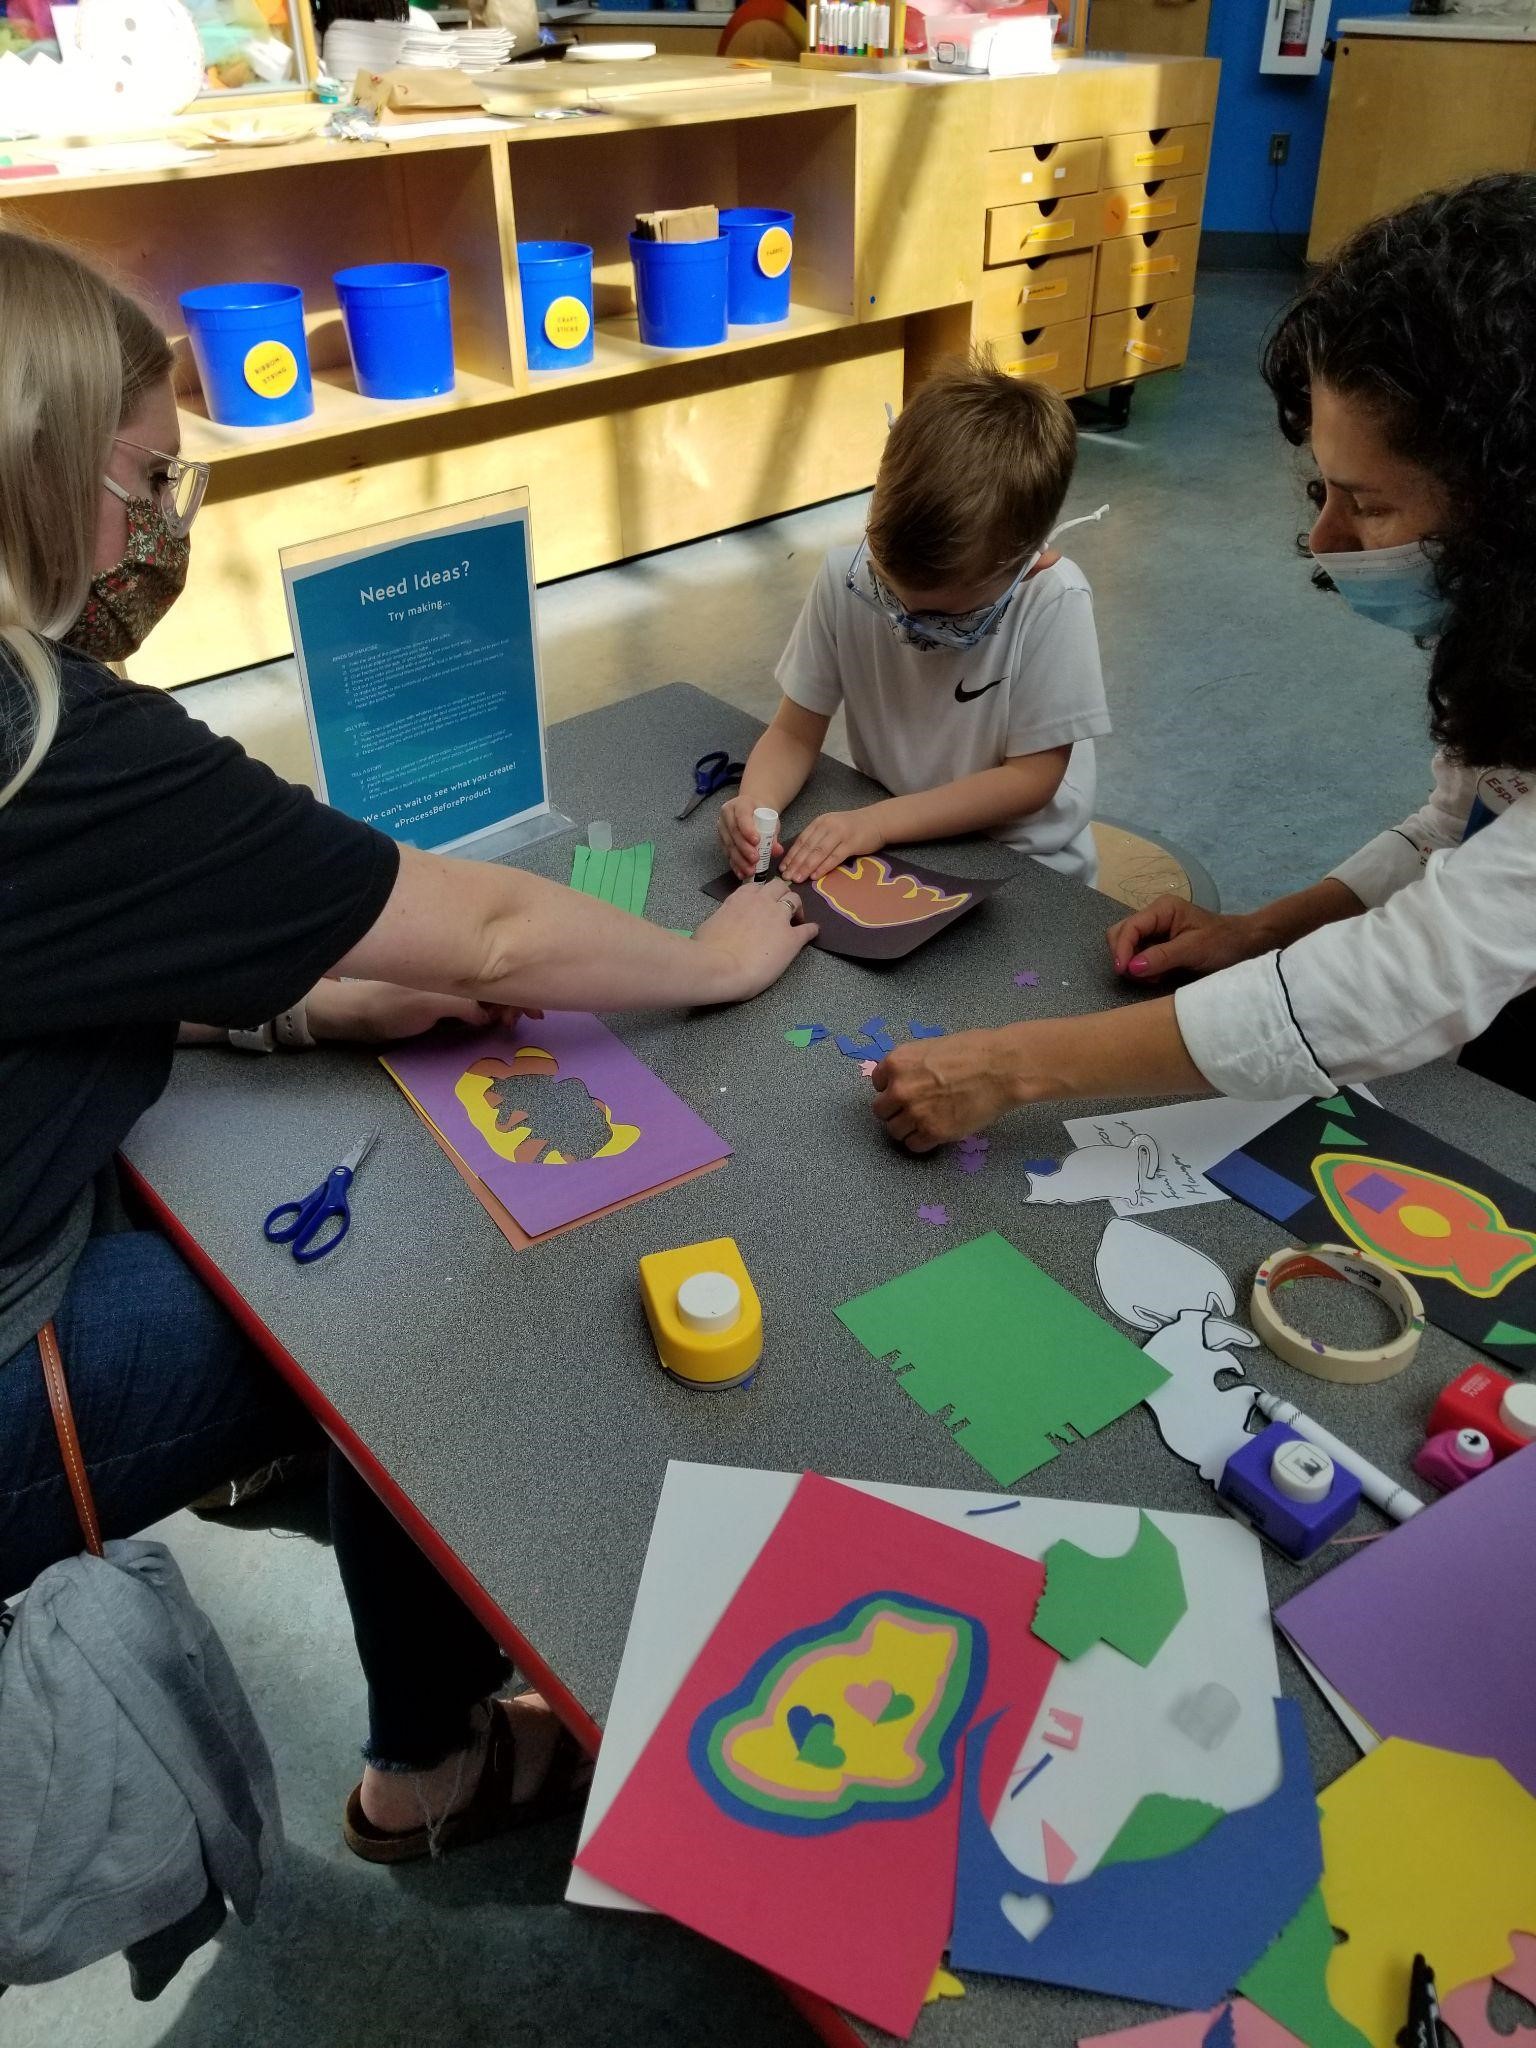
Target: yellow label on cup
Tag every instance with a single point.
(567, 323)
(271, 369)
(774, 249)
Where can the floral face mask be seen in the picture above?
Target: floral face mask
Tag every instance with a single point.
(128, 600)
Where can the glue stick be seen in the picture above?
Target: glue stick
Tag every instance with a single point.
(767, 823)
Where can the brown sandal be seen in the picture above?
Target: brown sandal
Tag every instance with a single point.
(491, 1810)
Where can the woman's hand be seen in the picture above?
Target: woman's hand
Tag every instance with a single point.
(829, 840)
(757, 930)
(938, 1089)
(377, 1012)
(738, 835)
(1171, 936)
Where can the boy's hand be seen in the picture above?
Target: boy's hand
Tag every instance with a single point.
(830, 840)
(738, 835)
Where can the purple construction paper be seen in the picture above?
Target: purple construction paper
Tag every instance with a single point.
(1176, 1930)
(1259, 1186)
(1428, 1633)
(1376, 1191)
(672, 1141)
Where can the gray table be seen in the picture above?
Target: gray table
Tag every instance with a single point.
(515, 1399)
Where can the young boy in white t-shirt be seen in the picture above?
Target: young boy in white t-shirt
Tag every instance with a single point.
(964, 651)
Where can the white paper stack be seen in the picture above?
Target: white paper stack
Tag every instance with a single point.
(353, 46)
(483, 49)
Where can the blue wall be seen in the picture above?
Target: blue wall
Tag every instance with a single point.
(1245, 192)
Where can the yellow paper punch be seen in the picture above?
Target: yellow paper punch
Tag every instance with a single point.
(704, 1313)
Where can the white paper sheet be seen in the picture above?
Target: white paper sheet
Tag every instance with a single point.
(712, 1521)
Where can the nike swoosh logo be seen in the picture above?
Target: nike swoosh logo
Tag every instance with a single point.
(965, 696)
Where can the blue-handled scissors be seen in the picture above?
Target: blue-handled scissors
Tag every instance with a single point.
(711, 773)
(299, 1224)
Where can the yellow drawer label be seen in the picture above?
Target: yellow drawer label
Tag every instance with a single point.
(1155, 266)
(1170, 153)
(1038, 294)
(1145, 351)
(1034, 366)
(1151, 209)
(1052, 231)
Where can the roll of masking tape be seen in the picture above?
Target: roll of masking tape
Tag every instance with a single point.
(1356, 1269)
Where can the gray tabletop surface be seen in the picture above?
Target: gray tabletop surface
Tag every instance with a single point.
(516, 1398)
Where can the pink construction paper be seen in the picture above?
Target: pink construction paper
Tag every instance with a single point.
(1465, 2011)
(1428, 1633)
(673, 1139)
(1251, 2028)
(860, 1915)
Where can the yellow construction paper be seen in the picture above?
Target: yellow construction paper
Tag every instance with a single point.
(1425, 1851)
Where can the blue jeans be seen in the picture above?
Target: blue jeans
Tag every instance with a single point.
(170, 1400)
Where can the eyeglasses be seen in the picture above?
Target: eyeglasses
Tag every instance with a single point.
(957, 631)
(179, 493)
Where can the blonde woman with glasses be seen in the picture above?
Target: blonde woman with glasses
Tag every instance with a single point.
(153, 878)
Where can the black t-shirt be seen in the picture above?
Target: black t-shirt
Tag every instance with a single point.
(150, 873)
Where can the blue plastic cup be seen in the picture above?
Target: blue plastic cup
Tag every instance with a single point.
(249, 347)
(557, 303)
(680, 291)
(762, 243)
(399, 328)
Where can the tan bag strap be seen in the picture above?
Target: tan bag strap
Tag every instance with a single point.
(69, 1438)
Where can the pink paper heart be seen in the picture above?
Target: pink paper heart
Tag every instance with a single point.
(870, 1700)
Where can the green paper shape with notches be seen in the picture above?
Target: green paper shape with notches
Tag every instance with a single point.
(1290, 1981)
(1133, 1602)
(981, 1338)
(1160, 1825)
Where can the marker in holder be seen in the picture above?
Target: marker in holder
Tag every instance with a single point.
(705, 1317)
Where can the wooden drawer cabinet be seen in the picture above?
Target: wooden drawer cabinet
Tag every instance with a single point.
(1138, 270)
(1156, 153)
(1138, 340)
(1139, 209)
(1051, 170)
(1040, 293)
(1046, 355)
(1049, 228)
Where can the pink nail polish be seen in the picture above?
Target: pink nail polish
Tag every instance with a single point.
(1137, 966)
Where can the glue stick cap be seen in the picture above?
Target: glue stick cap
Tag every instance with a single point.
(765, 820)
(1517, 1410)
(709, 1303)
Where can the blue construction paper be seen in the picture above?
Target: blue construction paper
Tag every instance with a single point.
(925, 1030)
(1178, 1930)
(1259, 1186)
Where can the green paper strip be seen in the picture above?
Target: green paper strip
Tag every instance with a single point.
(1009, 1360)
(1133, 1602)
(579, 860)
(645, 857)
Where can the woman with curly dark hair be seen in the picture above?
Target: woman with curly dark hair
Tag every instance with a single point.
(1408, 366)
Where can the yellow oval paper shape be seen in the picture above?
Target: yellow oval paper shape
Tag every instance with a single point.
(271, 369)
(774, 249)
(567, 323)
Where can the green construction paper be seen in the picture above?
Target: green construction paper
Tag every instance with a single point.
(579, 860)
(800, 1036)
(1290, 1981)
(1337, 1105)
(645, 855)
(1509, 1333)
(1334, 1134)
(1132, 1602)
(1005, 1358)
(621, 875)
(1160, 1825)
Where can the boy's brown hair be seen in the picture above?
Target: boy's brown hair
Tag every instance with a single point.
(974, 474)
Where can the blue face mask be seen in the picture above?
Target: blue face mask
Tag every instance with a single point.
(1392, 586)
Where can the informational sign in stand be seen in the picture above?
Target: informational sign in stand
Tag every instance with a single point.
(418, 652)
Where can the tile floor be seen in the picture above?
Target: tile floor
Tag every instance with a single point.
(1259, 726)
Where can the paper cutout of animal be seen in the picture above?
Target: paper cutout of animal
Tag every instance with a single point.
(1106, 1172)
(1423, 1223)
(493, 1093)
(871, 892)
(1185, 1300)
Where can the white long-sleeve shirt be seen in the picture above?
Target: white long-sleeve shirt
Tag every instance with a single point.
(1448, 937)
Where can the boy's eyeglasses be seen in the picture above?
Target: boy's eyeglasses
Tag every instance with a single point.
(955, 631)
(179, 493)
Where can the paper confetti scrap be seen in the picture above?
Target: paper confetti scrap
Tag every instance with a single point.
(976, 1143)
(1027, 979)
(936, 1214)
(1133, 1601)
(917, 1030)
(867, 1067)
(943, 1986)
(971, 1162)
(1067, 1729)
(800, 1036)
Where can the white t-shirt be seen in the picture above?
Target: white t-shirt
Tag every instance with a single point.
(919, 718)
(1447, 938)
